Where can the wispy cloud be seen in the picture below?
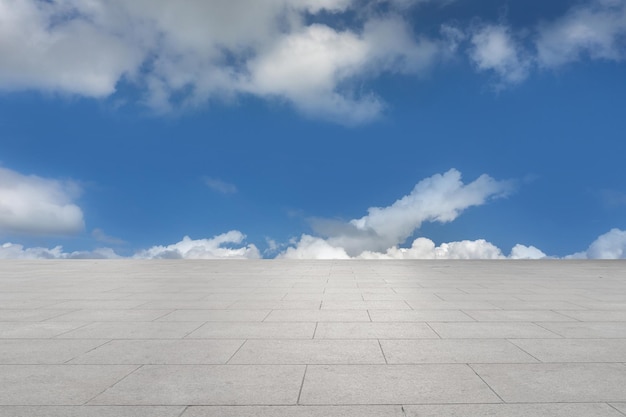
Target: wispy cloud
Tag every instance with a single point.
(100, 236)
(220, 186)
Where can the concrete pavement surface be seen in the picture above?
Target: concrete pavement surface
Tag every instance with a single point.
(273, 338)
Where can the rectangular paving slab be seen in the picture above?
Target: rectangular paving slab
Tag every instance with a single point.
(393, 384)
(207, 384)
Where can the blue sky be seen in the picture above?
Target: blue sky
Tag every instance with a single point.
(313, 128)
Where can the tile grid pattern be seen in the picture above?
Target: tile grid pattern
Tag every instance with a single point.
(312, 338)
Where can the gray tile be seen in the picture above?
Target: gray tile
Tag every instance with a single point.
(29, 314)
(89, 411)
(133, 330)
(111, 315)
(98, 304)
(207, 385)
(450, 305)
(393, 384)
(56, 384)
(596, 315)
(548, 382)
(309, 352)
(589, 330)
(216, 315)
(364, 305)
(492, 330)
(511, 410)
(620, 406)
(296, 411)
(574, 350)
(43, 351)
(419, 315)
(453, 351)
(36, 330)
(253, 330)
(276, 305)
(151, 352)
(517, 315)
(380, 330)
(318, 315)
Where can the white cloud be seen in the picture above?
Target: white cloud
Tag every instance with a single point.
(36, 205)
(494, 49)
(185, 53)
(214, 248)
(42, 48)
(220, 186)
(611, 245)
(309, 247)
(440, 198)
(595, 30)
(423, 248)
(16, 251)
(526, 252)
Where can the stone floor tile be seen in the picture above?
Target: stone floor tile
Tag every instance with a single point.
(516, 315)
(364, 305)
(175, 304)
(318, 315)
(549, 382)
(216, 315)
(7, 315)
(450, 305)
(133, 330)
(56, 384)
(90, 411)
(207, 385)
(419, 315)
(512, 410)
(296, 411)
(393, 384)
(36, 330)
(152, 352)
(574, 350)
(309, 352)
(111, 315)
(588, 330)
(453, 351)
(380, 330)
(44, 351)
(491, 330)
(596, 315)
(276, 305)
(97, 304)
(253, 330)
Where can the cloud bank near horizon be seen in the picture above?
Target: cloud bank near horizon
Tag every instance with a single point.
(42, 206)
(316, 55)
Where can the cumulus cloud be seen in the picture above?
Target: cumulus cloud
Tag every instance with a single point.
(185, 53)
(596, 29)
(526, 252)
(495, 49)
(215, 248)
(36, 205)
(440, 198)
(611, 245)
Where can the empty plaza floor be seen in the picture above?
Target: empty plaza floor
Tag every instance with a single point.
(312, 338)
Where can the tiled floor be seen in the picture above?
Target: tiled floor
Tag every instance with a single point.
(312, 338)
